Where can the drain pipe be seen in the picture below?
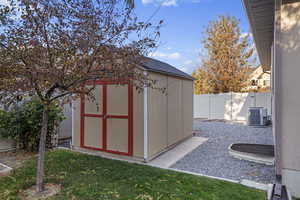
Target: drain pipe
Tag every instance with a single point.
(145, 124)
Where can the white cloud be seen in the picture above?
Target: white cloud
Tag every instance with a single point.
(169, 3)
(158, 54)
(196, 1)
(4, 2)
(188, 62)
(245, 34)
(185, 69)
(161, 2)
(147, 1)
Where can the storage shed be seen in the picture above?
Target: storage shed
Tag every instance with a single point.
(137, 124)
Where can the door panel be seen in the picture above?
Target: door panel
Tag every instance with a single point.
(93, 132)
(106, 123)
(117, 135)
(117, 100)
(95, 106)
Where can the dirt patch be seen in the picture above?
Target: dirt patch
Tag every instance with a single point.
(15, 159)
(30, 193)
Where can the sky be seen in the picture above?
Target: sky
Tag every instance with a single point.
(184, 24)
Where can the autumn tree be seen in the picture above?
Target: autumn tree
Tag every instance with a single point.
(201, 81)
(50, 48)
(229, 56)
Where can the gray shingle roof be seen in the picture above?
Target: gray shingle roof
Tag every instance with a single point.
(154, 65)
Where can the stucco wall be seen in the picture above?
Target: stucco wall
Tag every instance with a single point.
(289, 99)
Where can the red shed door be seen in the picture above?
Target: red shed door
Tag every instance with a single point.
(106, 124)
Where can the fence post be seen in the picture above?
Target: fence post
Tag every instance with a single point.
(209, 104)
(231, 103)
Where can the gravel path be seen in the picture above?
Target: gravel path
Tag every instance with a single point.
(212, 157)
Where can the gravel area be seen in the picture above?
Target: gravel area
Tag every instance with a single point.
(15, 159)
(212, 157)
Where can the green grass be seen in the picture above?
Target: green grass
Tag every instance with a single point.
(90, 177)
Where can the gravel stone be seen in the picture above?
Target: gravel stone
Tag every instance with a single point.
(212, 157)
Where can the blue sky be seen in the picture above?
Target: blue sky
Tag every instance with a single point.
(184, 23)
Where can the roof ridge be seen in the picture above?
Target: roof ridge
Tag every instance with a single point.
(155, 65)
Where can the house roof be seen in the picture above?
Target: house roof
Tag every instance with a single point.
(261, 18)
(154, 65)
(257, 73)
(261, 15)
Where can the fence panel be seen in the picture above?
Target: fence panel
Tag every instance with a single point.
(220, 106)
(201, 111)
(65, 128)
(229, 106)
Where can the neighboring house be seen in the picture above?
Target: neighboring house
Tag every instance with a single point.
(259, 79)
(275, 25)
(140, 125)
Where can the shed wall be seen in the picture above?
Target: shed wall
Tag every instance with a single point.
(170, 114)
(138, 124)
(157, 116)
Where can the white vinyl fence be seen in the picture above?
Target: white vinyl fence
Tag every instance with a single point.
(229, 106)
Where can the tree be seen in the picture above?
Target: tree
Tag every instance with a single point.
(201, 83)
(50, 48)
(228, 56)
(130, 3)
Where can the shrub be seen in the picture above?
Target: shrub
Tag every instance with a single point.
(23, 124)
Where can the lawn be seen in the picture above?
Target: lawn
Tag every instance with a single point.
(89, 177)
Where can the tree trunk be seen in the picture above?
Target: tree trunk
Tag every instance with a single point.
(41, 157)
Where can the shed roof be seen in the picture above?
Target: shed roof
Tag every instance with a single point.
(154, 65)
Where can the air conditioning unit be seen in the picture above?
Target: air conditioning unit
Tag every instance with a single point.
(257, 116)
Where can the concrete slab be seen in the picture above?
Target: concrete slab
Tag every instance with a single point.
(170, 157)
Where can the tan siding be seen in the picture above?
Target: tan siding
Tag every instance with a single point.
(175, 115)
(289, 94)
(170, 114)
(95, 106)
(138, 123)
(117, 99)
(117, 134)
(117, 129)
(187, 107)
(157, 116)
(166, 111)
(93, 132)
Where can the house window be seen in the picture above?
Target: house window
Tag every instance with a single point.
(253, 82)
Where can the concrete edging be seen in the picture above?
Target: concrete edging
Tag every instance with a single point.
(7, 170)
(250, 157)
